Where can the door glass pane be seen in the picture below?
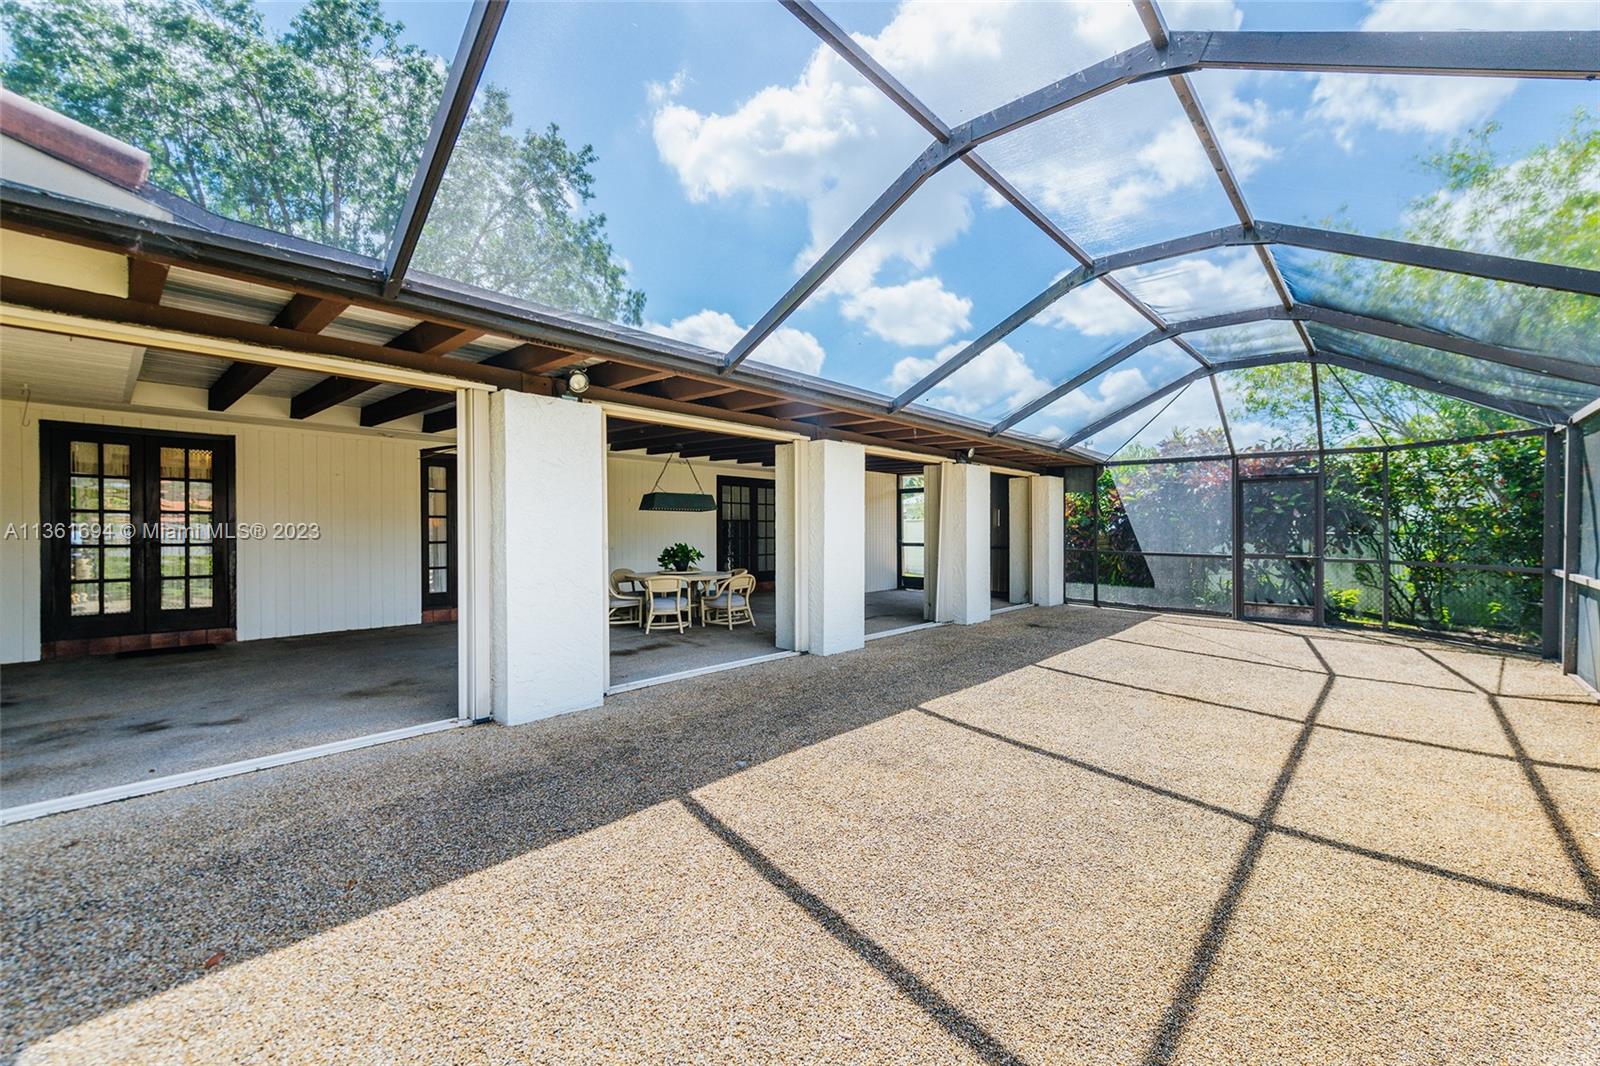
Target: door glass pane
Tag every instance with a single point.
(118, 562)
(86, 599)
(200, 592)
(438, 581)
(85, 494)
(1279, 516)
(172, 462)
(172, 496)
(117, 460)
(438, 503)
(172, 595)
(119, 597)
(117, 528)
(85, 457)
(200, 463)
(116, 494)
(172, 562)
(912, 560)
(86, 528)
(85, 564)
(200, 561)
(438, 530)
(436, 477)
(199, 532)
(438, 554)
(199, 495)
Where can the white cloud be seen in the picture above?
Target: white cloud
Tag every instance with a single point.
(1001, 373)
(1213, 283)
(1095, 311)
(787, 347)
(1435, 105)
(831, 142)
(919, 312)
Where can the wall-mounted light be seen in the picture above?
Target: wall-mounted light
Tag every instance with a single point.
(577, 383)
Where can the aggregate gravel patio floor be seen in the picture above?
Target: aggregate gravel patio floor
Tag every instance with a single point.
(1068, 835)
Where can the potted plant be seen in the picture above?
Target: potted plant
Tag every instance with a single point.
(679, 556)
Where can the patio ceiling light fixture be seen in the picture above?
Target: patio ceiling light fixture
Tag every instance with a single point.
(655, 500)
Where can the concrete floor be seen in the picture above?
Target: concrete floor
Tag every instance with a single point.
(899, 608)
(893, 609)
(638, 656)
(1068, 835)
(80, 724)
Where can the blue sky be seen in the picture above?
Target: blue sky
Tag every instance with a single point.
(733, 148)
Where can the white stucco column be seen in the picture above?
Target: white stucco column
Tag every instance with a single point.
(547, 556)
(964, 543)
(827, 480)
(1018, 503)
(1045, 541)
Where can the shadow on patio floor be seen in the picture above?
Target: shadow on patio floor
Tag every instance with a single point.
(1069, 834)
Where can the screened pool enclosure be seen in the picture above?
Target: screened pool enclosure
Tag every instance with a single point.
(1302, 299)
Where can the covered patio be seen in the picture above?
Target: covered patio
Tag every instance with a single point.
(1075, 833)
(82, 725)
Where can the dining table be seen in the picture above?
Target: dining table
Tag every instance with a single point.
(694, 578)
(697, 580)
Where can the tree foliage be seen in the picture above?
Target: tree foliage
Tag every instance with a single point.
(1449, 507)
(316, 132)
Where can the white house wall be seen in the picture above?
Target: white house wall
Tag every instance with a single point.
(361, 489)
(637, 537)
(883, 531)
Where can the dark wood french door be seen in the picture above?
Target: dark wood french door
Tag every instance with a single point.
(438, 532)
(747, 526)
(137, 531)
(1000, 536)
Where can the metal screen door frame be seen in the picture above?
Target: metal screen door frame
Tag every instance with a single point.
(1242, 608)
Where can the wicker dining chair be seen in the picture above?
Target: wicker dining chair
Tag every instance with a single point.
(626, 601)
(666, 604)
(729, 602)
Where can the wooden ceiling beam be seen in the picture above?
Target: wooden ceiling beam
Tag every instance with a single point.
(621, 376)
(147, 280)
(440, 420)
(78, 302)
(236, 380)
(845, 418)
(663, 447)
(533, 358)
(803, 429)
(794, 409)
(328, 392)
(304, 314)
(432, 338)
(688, 389)
(742, 401)
(309, 314)
(403, 404)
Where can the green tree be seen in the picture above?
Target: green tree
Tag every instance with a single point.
(316, 133)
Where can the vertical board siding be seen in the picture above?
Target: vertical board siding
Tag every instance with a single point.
(636, 536)
(883, 531)
(362, 491)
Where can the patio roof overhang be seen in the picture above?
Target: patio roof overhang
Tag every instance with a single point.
(641, 369)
